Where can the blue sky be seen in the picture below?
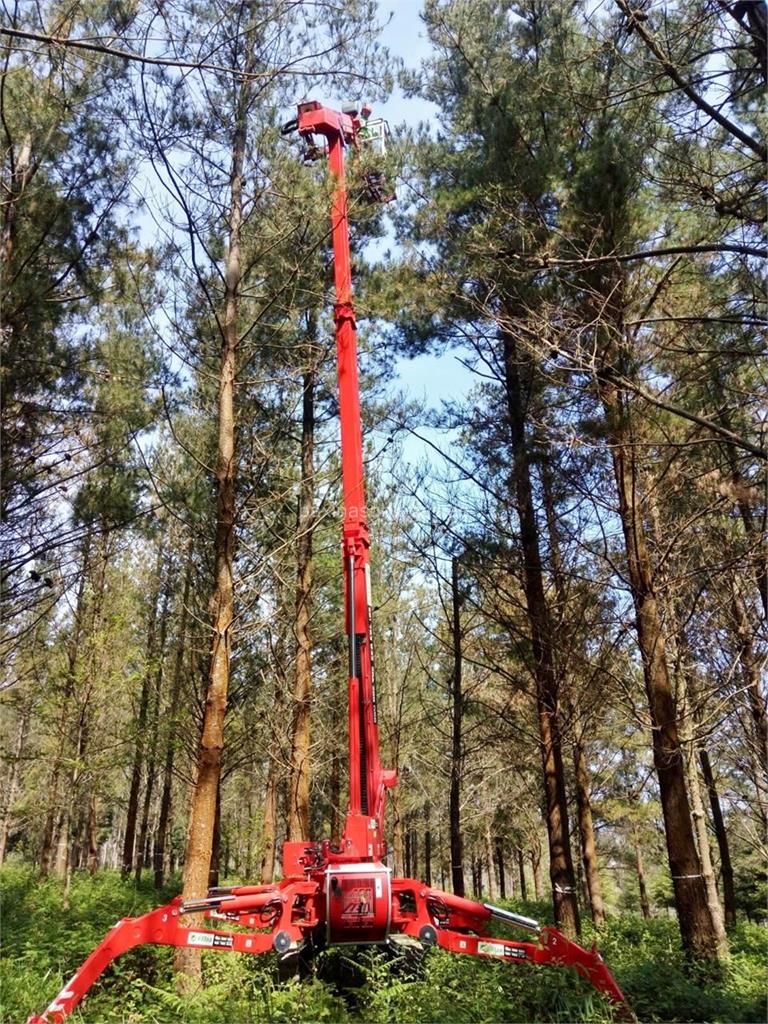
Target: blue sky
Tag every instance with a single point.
(427, 380)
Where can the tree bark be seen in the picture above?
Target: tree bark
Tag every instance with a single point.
(92, 860)
(688, 704)
(396, 818)
(726, 868)
(215, 869)
(427, 846)
(164, 818)
(11, 785)
(457, 754)
(298, 788)
(24, 168)
(587, 832)
(521, 873)
(278, 746)
(499, 852)
(752, 530)
(538, 885)
(696, 926)
(187, 962)
(750, 672)
(589, 862)
(645, 905)
(269, 824)
(705, 853)
(129, 839)
(142, 853)
(55, 811)
(63, 862)
(561, 870)
(490, 860)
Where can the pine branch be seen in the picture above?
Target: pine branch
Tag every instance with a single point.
(690, 92)
(140, 58)
(672, 250)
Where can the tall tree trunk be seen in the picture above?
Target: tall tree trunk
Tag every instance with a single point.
(705, 853)
(477, 876)
(698, 754)
(726, 868)
(277, 751)
(457, 754)
(427, 845)
(587, 831)
(394, 695)
(298, 787)
(92, 861)
(538, 885)
(72, 797)
(688, 705)
(142, 847)
(164, 818)
(645, 904)
(751, 672)
(197, 862)
(589, 862)
(696, 925)
(269, 824)
(23, 169)
(64, 859)
(755, 532)
(215, 869)
(396, 825)
(55, 810)
(499, 854)
(561, 870)
(12, 782)
(129, 839)
(490, 859)
(521, 873)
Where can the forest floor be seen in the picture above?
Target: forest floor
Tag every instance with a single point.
(44, 941)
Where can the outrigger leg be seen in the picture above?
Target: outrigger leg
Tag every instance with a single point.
(282, 917)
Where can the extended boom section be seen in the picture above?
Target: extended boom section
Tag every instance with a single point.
(341, 893)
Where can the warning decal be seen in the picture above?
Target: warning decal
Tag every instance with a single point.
(358, 904)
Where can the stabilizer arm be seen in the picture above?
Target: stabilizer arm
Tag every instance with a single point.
(461, 926)
(553, 949)
(282, 912)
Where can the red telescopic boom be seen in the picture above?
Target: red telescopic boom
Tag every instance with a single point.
(368, 782)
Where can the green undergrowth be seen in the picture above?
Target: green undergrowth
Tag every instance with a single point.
(44, 940)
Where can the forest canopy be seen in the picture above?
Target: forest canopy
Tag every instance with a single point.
(568, 562)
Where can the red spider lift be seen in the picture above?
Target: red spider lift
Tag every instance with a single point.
(341, 894)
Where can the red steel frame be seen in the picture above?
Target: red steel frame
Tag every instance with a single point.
(302, 909)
